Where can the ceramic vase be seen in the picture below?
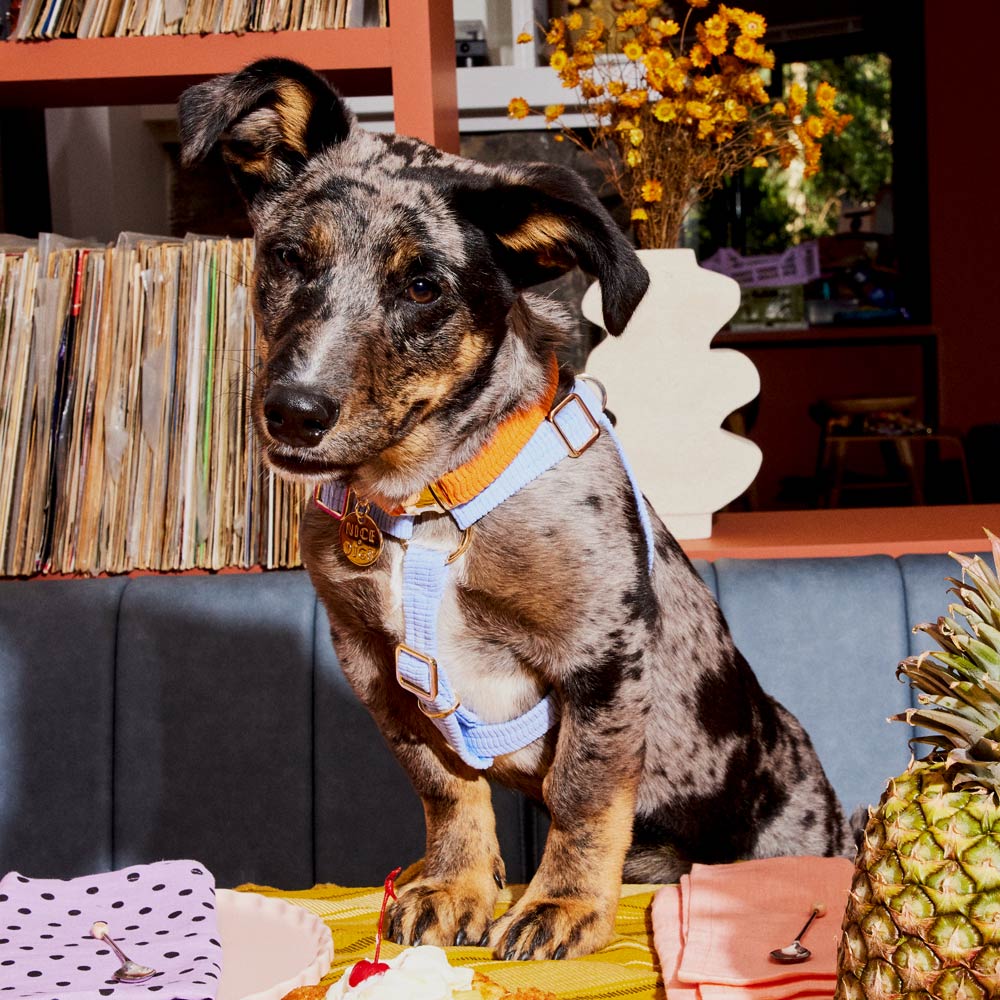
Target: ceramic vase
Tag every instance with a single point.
(670, 391)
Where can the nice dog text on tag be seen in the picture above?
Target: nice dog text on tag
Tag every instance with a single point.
(360, 539)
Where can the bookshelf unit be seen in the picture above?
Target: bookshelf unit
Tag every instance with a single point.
(414, 58)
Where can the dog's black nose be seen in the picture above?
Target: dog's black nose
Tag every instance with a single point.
(297, 417)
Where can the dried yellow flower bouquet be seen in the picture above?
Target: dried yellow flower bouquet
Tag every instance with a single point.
(683, 105)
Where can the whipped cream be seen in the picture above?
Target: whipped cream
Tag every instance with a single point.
(420, 973)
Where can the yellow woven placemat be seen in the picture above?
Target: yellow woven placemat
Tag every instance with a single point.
(627, 967)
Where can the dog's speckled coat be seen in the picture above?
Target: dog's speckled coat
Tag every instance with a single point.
(390, 280)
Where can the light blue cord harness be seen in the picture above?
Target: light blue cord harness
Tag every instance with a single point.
(571, 428)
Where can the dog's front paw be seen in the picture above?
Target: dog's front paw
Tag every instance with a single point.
(429, 911)
(545, 927)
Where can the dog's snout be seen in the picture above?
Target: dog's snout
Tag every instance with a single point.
(298, 417)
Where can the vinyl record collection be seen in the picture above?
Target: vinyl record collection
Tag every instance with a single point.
(125, 435)
(117, 18)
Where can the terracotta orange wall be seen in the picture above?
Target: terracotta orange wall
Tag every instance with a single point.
(964, 209)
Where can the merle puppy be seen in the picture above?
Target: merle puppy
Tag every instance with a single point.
(398, 342)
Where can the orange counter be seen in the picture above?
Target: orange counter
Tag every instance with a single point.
(890, 531)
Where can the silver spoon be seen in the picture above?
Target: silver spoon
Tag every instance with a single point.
(130, 972)
(796, 951)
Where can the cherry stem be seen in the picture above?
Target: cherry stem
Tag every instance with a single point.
(389, 892)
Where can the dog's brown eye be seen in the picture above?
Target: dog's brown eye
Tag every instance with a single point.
(422, 291)
(290, 258)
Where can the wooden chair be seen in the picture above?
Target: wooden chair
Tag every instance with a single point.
(847, 425)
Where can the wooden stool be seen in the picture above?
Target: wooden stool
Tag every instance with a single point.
(843, 426)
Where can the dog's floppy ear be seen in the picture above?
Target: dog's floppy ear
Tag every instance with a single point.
(268, 120)
(545, 221)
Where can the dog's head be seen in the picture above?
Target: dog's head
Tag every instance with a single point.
(387, 274)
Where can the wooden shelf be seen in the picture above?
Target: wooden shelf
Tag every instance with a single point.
(69, 72)
(892, 531)
(414, 59)
(118, 60)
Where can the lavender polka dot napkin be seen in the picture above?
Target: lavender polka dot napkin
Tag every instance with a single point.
(161, 915)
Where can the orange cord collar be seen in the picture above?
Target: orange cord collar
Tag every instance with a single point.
(469, 480)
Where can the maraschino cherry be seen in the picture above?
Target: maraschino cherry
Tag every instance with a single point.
(364, 969)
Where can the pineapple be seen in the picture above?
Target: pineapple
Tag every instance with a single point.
(923, 917)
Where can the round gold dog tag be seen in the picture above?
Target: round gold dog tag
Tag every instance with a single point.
(360, 538)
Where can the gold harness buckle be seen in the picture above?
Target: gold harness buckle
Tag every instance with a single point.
(595, 426)
(438, 715)
(426, 499)
(431, 693)
(462, 545)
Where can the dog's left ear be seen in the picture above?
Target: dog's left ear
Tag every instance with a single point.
(544, 221)
(268, 120)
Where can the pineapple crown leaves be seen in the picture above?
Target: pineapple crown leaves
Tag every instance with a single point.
(959, 683)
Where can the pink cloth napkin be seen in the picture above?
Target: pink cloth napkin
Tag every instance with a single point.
(161, 915)
(714, 932)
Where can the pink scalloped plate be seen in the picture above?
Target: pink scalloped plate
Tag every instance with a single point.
(269, 947)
